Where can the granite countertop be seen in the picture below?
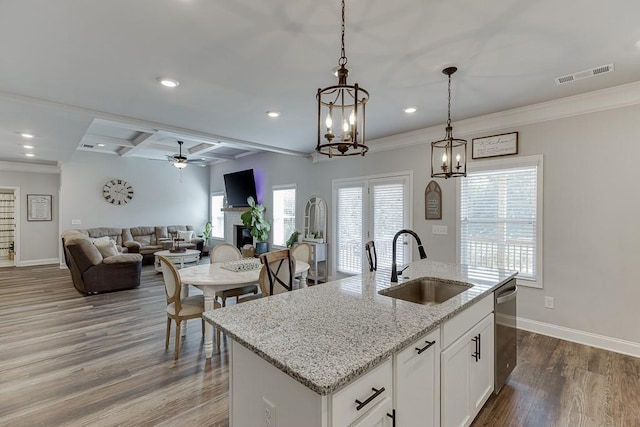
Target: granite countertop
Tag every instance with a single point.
(327, 335)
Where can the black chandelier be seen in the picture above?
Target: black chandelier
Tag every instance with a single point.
(341, 126)
(449, 155)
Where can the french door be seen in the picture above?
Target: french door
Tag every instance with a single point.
(370, 208)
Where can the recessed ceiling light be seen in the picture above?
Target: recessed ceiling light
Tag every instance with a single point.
(167, 82)
(30, 155)
(26, 135)
(28, 147)
(273, 114)
(100, 145)
(410, 110)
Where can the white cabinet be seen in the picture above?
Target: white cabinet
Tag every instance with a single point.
(467, 374)
(358, 398)
(417, 382)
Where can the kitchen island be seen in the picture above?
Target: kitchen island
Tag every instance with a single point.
(294, 354)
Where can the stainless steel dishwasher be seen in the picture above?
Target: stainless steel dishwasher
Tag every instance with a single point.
(506, 347)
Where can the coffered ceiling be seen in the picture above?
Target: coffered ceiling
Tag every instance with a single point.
(83, 75)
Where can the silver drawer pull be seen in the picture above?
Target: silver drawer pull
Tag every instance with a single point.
(376, 393)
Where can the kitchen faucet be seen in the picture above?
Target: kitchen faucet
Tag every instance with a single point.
(394, 268)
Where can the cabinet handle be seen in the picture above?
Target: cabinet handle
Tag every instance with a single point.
(376, 393)
(479, 347)
(429, 344)
(476, 353)
(392, 415)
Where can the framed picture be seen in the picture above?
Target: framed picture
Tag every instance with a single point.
(38, 207)
(504, 144)
(433, 201)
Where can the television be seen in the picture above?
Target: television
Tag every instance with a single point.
(239, 186)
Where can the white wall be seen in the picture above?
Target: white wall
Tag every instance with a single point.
(591, 212)
(38, 240)
(159, 196)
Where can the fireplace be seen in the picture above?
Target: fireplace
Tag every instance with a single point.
(242, 236)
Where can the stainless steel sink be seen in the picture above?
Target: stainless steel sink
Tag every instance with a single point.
(426, 290)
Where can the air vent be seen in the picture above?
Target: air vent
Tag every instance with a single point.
(602, 69)
(88, 146)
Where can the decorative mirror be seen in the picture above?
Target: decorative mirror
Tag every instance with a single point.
(315, 220)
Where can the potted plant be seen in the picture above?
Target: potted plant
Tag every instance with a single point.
(254, 220)
(292, 239)
(11, 250)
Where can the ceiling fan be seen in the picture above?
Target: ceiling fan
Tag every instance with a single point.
(180, 161)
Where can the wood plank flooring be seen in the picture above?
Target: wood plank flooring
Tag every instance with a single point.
(72, 360)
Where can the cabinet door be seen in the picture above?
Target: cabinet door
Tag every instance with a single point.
(467, 374)
(378, 416)
(455, 382)
(481, 370)
(417, 382)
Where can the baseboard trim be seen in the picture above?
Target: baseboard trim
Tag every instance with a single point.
(35, 262)
(617, 345)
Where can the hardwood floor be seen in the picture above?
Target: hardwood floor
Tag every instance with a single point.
(71, 360)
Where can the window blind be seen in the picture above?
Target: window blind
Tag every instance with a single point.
(349, 236)
(499, 220)
(388, 205)
(284, 215)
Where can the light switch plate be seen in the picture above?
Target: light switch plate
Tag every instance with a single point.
(439, 229)
(76, 221)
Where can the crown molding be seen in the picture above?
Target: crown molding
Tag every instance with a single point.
(591, 102)
(28, 167)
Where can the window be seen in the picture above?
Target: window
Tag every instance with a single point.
(217, 216)
(500, 223)
(372, 208)
(284, 214)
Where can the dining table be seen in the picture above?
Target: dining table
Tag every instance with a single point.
(214, 277)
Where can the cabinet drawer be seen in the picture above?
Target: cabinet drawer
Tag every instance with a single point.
(343, 403)
(463, 321)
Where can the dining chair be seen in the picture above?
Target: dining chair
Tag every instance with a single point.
(277, 273)
(223, 252)
(302, 252)
(372, 256)
(178, 308)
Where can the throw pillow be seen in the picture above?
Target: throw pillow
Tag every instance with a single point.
(186, 235)
(107, 249)
(102, 240)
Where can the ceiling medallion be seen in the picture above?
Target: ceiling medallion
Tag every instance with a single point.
(341, 113)
(444, 152)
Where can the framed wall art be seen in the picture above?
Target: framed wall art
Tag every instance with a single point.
(38, 207)
(433, 201)
(505, 144)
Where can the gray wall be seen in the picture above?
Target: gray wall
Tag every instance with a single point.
(591, 212)
(38, 240)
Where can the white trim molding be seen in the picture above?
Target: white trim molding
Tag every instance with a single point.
(28, 167)
(34, 262)
(591, 102)
(617, 345)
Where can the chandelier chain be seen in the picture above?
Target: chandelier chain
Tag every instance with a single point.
(449, 105)
(343, 56)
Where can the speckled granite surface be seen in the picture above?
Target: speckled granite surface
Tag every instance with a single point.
(328, 335)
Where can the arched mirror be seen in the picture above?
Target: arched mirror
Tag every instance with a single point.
(315, 220)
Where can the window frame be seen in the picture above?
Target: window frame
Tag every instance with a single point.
(273, 218)
(212, 218)
(504, 164)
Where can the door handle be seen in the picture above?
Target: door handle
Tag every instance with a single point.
(507, 296)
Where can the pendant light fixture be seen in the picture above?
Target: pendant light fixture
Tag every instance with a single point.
(341, 113)
(449, 155)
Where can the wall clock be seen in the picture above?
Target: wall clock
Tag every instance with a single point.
(117, 191)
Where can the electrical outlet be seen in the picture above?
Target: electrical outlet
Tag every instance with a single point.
(548, 302)
(269, 413)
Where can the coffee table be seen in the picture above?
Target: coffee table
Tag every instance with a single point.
(189, 255)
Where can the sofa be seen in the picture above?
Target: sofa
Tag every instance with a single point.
(146, 240)
(92, 272)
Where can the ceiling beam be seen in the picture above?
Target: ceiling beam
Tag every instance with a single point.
(101, 139)
(138, 143)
